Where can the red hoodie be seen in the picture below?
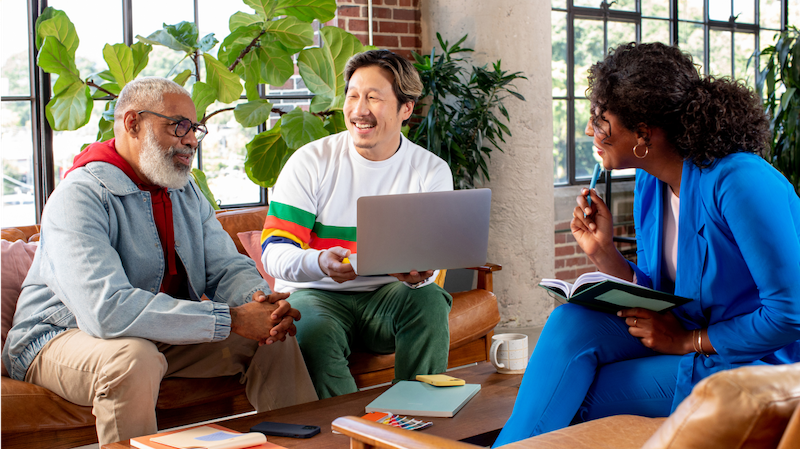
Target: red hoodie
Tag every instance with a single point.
(174, 283)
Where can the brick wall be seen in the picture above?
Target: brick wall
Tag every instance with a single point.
(570, 260)
(395, 23)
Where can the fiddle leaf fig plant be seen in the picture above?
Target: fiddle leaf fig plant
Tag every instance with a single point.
(262, 48)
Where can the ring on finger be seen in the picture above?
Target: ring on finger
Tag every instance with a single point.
(635, 320)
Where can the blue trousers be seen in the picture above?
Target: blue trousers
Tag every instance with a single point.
(587, 366)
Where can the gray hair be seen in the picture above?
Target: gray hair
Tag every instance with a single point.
(146, 93)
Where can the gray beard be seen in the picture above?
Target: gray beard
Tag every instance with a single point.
(157, 165)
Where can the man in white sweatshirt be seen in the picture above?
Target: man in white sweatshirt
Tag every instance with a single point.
(311, 231)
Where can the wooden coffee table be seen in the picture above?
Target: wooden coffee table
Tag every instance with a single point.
(486, 412)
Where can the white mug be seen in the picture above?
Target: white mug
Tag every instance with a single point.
(509, 353)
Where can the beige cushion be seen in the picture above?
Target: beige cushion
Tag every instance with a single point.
(614, 432)
(747, 407)
(16, 259)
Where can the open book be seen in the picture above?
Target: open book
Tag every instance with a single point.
(209, 436)
(606, 293)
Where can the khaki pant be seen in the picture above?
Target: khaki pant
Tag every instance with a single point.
(120, 378)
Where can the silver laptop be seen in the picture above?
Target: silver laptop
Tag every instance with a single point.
(422, 231)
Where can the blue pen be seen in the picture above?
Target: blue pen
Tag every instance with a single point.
(595, 176)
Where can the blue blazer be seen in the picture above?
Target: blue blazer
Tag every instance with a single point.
(738, 258)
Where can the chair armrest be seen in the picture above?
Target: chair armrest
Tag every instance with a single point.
(485, 275)
(367, 434)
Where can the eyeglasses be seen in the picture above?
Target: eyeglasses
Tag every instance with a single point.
(183, 126)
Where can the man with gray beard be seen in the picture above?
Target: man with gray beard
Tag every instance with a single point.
(129, 245)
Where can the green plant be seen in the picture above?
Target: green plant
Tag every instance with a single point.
(461, 124)
(261, 48)
(781, 77)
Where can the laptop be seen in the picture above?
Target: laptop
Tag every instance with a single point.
(421, 231)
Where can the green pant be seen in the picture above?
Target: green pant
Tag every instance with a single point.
(412, 323)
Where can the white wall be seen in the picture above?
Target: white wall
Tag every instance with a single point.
(521, 238)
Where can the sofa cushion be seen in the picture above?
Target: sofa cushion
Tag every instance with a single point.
(235, 221)
(251, 241)
(16, 259)
(613, 432)
(747, 407)
(31, 408)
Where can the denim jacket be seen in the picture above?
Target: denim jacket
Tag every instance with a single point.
(100, 264)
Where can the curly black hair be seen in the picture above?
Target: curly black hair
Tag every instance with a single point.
(705, 118)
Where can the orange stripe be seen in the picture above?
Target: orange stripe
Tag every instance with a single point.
(302, 233)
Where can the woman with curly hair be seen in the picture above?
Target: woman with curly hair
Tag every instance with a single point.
(714, 223)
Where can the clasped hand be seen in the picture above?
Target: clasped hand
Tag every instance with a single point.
(267, 319)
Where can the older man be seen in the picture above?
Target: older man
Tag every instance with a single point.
(128, 246)
(310, 232)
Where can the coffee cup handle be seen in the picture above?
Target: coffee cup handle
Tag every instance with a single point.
(493, 354)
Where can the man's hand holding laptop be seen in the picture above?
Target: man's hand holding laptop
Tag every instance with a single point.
(332, 262)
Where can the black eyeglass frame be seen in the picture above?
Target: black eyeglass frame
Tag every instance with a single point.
(195, 127)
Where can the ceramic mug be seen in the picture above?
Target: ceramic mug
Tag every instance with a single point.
(509, 353)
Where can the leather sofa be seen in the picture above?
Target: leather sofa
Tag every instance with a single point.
(34, 417)
(748, 407)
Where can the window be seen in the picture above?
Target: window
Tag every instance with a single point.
(35, 158)
(721, 35)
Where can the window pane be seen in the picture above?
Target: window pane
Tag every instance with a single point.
(223, 158)
(621, 33)
(745, 11)
(163, 62)
(767, 39)
(655, 8)
(690, 39)
(623, 5)
(587, 3)
(770, 13)
(67, 144)
(585, 156)
(14, 69)
(94, 34)
(719, 10)
(559, 141)
(745, 46)
(655, 31)
(559, 53)
(15, 134)
(691, 10)
(588, 50)
(214, 16)
(794, 12)
(719, 59)
(562, 4)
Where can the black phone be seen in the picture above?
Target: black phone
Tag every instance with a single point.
(280, 429)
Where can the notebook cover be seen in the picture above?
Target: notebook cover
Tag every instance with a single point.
(421, 399)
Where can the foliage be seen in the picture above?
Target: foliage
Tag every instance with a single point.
(461, 124)
(260, 48)
(781, 76)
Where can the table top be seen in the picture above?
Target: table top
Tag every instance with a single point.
(487, 411)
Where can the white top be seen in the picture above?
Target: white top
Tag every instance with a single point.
(672, 207)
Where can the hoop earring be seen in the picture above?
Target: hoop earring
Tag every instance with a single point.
(646, 151)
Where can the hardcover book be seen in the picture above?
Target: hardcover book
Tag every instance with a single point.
(606, 293)
(409, 397)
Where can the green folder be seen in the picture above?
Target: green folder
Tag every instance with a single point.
(421, 399)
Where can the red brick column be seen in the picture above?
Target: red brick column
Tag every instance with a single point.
(395, 23)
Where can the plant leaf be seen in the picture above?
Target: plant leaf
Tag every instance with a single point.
(202, 183)
(308, 10)
(55, 58)
(162, 37)
(234, 43)
(207, 42)
(252, 113)
(203, 95)
(60, 27)
(322, 69)
(184, 32)
(276, 63)
(108, 114)
(227, 84)
(141, 52)
(242, 19)
(291, 32)
(266, 154)
(105, 130)
(264, 8)
(300, 127)
(71, 108)
(334, 123)
(320, 103)
(182, 77)
(119, 58)
(111, 87)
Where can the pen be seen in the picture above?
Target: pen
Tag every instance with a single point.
(595, 175)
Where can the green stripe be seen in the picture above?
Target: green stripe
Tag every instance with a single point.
(291, 213)
(334, 232)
